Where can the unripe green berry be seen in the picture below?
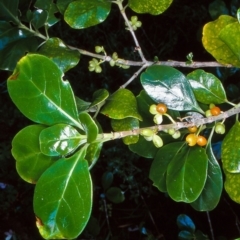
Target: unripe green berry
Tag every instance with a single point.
(171, 131)
(158, 118)
(176, 135)
(98, 49)
(150, 138)
(208, 113)
(211, 105)
(138, 24)
(125, 66)
(91, 69)
(98, 69)
(157, 141)
(134, 19)
(112, 63)
(153, 109)
(115, 56)
(220, 128)
(147, 132)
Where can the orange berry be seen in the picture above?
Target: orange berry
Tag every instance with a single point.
(191, 139)
(215, 111)
(161, 108)
(192, 129)
(201, 141)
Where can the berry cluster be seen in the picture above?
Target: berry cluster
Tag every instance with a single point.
(135, 24)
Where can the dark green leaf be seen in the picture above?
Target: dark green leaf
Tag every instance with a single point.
(39, 17)
(37, 89)
(60, 140)
(115, 195)
(81, 104)
(217, 8)
(30, 162)
(153, 7)
(167, 85)
(160, 163)
(187, 173)
(99, 97)
(144, 148)
(14, 43)
(86, 13)
(185, 235)
(57, 51)
(185, 223)
(63, 198)
(231, 149)
(212, 190)
(107, 179)
(89, 126)
(206, 87)
(126, 124)
(63, 4)
(121, 104)
(9, 11)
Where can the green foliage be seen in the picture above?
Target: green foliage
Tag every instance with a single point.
(58, 152)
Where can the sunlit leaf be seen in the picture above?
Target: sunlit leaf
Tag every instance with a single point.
(206, 87)
(153, 7)
(187, 173)
(121, 104)
(63, 198)
(30, 161)
(93, 152)
(37, 89)
(59, 140)
(126, 124)
(231, 149)
(86, 13)
(63, 4)
(167, 85)
(60, 54)
(216, 45)
(212, 190)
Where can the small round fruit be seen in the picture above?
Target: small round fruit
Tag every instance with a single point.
(211, 105)
(208, 113)
(157, 141)
(161, 108)
(98, 49)
(215, 111)
(192, 129)
(158, 118)
(153, 109)
(201, 141)
(176, 135)
(171, 131)
(98, 69)
(191, 139)
(220, 128)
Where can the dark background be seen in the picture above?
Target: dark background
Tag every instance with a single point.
(146, 213)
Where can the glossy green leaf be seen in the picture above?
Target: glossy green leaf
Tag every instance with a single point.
(217, 46)
(60, 54)
(63, 198)
(187, 173)
(167, 85)
(126, 124)
(86, 13)
(231, 185)
(158, 170)
(144, 148)
(121, 104)
(60, 140)
(81, 104)
(212, 190)
(153, 7)
(14, 43)
(89, 126)
(9, 11)
(93, 152)
(115, 195)
(51, 8)
(37, 89)
(206, 87)
(231, 149)
(39, 17)
(30, 161)
(99, 97)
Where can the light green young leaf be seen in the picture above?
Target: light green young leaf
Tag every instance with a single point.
(153, 7)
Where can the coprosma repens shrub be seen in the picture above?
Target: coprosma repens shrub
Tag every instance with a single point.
(172, 119)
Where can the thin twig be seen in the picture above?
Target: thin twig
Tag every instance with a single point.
(210, 225)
